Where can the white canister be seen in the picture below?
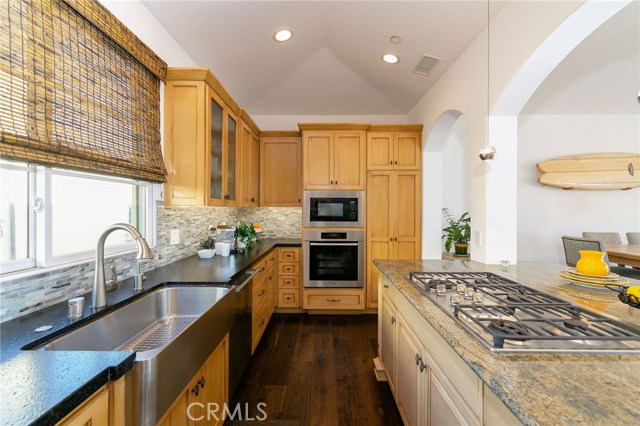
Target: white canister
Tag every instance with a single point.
(223, 249)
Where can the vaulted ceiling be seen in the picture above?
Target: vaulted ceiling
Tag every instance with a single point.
(332, 66)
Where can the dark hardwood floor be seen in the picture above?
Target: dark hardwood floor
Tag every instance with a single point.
(316, 370)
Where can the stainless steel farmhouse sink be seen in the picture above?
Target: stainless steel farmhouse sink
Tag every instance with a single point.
(172, 330)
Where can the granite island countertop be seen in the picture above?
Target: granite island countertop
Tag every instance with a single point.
(539, 388)
(41, 387)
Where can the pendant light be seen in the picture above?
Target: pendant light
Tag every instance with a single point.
(488, 152)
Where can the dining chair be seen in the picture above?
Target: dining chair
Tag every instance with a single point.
(633, 237)
(605, 237)
(573, 245)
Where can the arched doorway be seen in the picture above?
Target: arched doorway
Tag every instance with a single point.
(446, 177)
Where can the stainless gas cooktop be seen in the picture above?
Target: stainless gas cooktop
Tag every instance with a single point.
(510, 317)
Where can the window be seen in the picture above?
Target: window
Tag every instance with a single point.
(49, 216)
(15, 218)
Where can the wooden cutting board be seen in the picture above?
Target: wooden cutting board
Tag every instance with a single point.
(592, 171)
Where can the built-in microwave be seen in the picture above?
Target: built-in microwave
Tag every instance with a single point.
(334, 209)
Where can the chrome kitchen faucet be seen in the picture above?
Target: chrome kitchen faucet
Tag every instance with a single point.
(99, 295)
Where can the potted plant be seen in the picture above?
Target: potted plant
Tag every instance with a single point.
(457, 232)
(245, 234)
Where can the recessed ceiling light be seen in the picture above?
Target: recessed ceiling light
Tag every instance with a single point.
(282, 35)
(395, 39)
(390, 58)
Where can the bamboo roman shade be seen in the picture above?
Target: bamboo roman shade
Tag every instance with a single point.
(78, 90)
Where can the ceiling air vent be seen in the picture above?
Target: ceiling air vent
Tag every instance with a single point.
(426, 64)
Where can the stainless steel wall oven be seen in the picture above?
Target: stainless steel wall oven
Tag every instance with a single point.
(333, 258)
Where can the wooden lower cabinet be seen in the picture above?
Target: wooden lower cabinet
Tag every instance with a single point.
(104, 408)
(333, 299)
(387, 330)
(264, 297)
(431, 384)
(202, 401)
(289, 277)
(95, 411)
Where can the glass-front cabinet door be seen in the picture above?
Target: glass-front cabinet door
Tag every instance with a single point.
(223, 153)
(232, 160)
(216, 151)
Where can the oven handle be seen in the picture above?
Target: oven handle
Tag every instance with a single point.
(333, 244)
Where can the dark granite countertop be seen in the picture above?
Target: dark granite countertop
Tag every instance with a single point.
(40, 388)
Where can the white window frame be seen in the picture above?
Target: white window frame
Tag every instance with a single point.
(40, 221)
(30, 261)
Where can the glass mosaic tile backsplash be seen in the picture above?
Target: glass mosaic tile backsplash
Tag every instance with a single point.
(19, 296)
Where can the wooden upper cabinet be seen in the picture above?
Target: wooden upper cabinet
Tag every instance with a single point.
(379, 151)
(203, 142)
(349, 164)
(318, 160)
(407, 148)
(397, 148)
(185, 143)
(280, 169)
(334, 159)
(250, 166)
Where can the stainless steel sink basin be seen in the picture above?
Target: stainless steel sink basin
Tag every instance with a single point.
(172, 330)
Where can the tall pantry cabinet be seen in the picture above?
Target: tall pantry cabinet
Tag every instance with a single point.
(394, 201)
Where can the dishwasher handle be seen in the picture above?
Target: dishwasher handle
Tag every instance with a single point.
(251, 273)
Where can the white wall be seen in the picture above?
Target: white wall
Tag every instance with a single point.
(455, 170)
(517, 34)
(138, 19)
(290, 122)
(545, 213)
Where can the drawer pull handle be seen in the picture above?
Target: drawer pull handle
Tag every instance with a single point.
(418, 359)
(196, 390)
(422, 366)
(261, 323)
(393, 319)
(333, 300)
(201, 382)
(385, 285)
(261, 293)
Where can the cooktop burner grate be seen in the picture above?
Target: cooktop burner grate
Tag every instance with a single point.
(511, 317)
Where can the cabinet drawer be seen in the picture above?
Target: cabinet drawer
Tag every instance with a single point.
(288, 281)
(289, 255)
(288, 298)
(271, 258)
(261, 268)
(260, 321)
(260, 293)
(333, 299)
(289, 269)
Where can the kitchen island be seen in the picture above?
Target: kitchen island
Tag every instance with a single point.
(538, 388)
(42, 387)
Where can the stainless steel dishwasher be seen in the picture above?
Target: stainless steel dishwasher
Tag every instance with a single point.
(240, 334)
